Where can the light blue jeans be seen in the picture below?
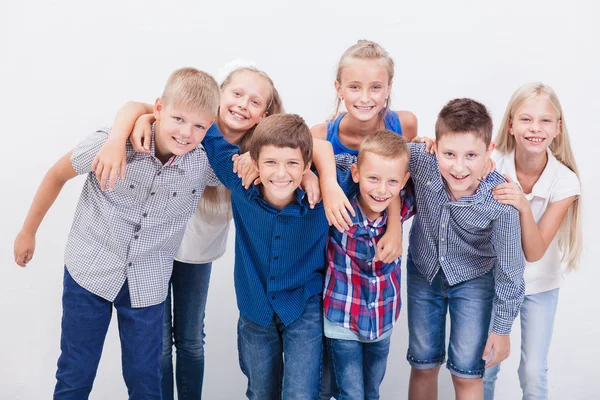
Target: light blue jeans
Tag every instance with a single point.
(537, 323)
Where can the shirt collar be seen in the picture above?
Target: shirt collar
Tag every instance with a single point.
(361, 218)
(297, 207)
(543, 184)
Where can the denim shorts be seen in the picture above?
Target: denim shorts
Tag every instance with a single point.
(470, 306)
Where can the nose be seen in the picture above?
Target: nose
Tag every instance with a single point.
(364, 95)
(382, 187)
(186, 131)
(280, 170)
(243, 102)
(535, 126)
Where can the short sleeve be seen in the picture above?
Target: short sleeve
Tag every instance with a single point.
(83, 155)
(566, 185)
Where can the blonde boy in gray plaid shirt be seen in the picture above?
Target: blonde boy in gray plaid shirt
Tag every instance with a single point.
(122, 243)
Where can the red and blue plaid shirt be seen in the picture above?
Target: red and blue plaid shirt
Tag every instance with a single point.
(362, 295)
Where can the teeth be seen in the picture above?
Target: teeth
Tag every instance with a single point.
(535, 140)
(180, 142)
(237, 116)
(460, 176)
(364, 108)
(281, 184)
(379, 198)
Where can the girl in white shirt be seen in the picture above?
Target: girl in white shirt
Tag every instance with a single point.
(534, 154)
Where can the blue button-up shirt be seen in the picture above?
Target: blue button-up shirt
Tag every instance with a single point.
(468, 237)
(279, 254)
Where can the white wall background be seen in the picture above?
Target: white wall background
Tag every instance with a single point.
(67, 66)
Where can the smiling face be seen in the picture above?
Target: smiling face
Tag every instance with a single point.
(280, 171)
(380, 179)
(244, 102)
(178, 130)
(364, 87)
(461, 159)
(534, 125)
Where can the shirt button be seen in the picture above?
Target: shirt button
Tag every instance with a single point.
(136, 237)
(130, 264)
(194, 191)
(152, 194)
(272, 297)
(137, 228)
(131, 186)
(443, 225)
(370, 244)
(428, 183)
(277, 237)
(272, 278)
(374, 281)
(373, 304)
(441, 258)
(144, 215)
(276, 258)
(174, 194)
(158, 173)
(442, 239)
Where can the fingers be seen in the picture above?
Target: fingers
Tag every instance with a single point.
(147, 138)
(113, 178)
(235, 158)
(487, 350)
(336, 219)
(122, 169)
(508, 179)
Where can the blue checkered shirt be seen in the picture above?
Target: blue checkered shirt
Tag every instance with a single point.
(133, 232)
(468, 237)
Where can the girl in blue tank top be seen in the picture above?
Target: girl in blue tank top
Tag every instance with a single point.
(363, 83)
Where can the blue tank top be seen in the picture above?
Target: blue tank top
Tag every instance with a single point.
(392, 123)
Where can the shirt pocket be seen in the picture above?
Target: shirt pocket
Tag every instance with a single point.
(124, 194)
(182, 200)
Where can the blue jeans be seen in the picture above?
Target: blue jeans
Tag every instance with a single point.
(283, 362)
(329, 386)
(184, 327)
(470, 305)
(85, 322)
(537, 323)
(359, 367)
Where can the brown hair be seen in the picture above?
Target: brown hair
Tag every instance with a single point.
(282, 130)
(211, 202)
(464, 116)
(365, 49)
(386, 144)
(192, 89)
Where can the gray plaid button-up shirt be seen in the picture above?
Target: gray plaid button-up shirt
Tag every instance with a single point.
(133, 232)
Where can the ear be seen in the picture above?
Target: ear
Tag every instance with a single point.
(307, 167)
(338, 88)
(490, 148)
(510, 128)
(355, 173)
(254, 162)
(389, 90)
(406, 177)
(560, 127)
(158, 107)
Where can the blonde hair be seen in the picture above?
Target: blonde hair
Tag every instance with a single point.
(386, 144)
(211, 202)
(570, 236)
(192, 89)
(366, 50)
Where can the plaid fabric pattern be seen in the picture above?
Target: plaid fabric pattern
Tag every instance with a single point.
(468, 237)
(362, 295)
(133, 232)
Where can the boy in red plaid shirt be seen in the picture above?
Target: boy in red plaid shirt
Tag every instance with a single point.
(362, 294)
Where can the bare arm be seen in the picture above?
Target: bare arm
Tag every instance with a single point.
(409, 124)
(45, 196)
(110, 160)
(536, 237)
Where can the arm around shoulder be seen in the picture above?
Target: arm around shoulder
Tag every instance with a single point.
(409, 124)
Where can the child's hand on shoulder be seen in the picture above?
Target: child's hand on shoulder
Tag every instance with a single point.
(142, 133)
(429, 143)
(245, 169)
(510, 193)
(499, 346)
(110, 162)
(389, 247)
(336, 206)
(24, 248)
(490, 166)
(310, 184)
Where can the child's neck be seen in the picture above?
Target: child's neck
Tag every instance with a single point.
(350, 126)
(163, 155)
(229, 134)
(529, 168)
(372, 215)
(280, 204)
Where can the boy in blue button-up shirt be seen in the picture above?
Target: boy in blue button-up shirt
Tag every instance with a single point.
(279, 258)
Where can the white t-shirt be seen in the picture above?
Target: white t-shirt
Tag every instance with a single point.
(205, 237)
(556, 183)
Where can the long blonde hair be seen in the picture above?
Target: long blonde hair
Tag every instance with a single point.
(366, 50)
(570, 236)
(211, 203)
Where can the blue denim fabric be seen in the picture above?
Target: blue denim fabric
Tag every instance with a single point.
(283, 362)
(537, 324)
(470, 305)
(329, 386)
(183, 326)
(359, 367)
(85, 322)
